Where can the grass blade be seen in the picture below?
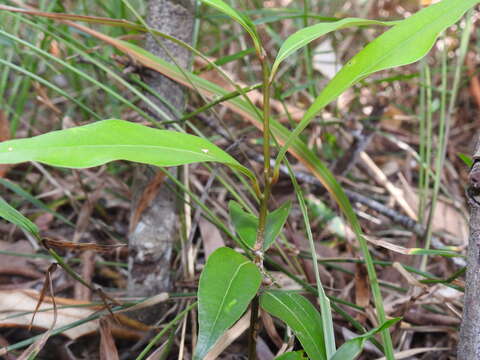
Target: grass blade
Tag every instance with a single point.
(15, 217)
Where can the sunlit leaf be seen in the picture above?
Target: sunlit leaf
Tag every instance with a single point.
(306, 35)
(227, 285)
(108, 140)
(301, 316)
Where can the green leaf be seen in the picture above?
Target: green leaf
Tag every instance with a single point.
(352, 348)
(306, 35)
(239, 17)
(227, 285)
(466, 159)
(298, 313)
(108, 140)
(403, 44)
(292, 355)
(275, 222)
(12, 215)
(246, 224)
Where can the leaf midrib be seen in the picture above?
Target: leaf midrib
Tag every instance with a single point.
(155, 147)
(296, 318)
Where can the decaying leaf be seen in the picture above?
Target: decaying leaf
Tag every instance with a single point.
(108, 350)
(16, 307)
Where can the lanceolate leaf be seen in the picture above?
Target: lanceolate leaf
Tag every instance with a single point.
(12, 215)
(300, 315)
(403, 44)
(246, 224)
(239, 17)
(227, 285)
(352, 348)
(306, 35)
(108, 140)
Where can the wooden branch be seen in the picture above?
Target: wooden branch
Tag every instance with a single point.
(469, 345)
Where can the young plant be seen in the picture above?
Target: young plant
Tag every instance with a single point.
(230, 281)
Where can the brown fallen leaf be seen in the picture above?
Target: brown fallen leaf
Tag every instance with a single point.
(108, 350)
(447, 217)
(362, 287)
(16, 309)
(17, 306)
(212, 239)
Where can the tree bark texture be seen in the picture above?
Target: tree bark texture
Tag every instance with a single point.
(154, 221)
(469, 345)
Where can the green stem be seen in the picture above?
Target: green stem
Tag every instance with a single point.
(265, 196)
(258, 248)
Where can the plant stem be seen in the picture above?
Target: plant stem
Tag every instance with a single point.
(258, 248)
(265, 196)
(252, 340)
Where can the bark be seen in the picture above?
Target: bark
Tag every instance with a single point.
(153, 223)
(469, 345)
